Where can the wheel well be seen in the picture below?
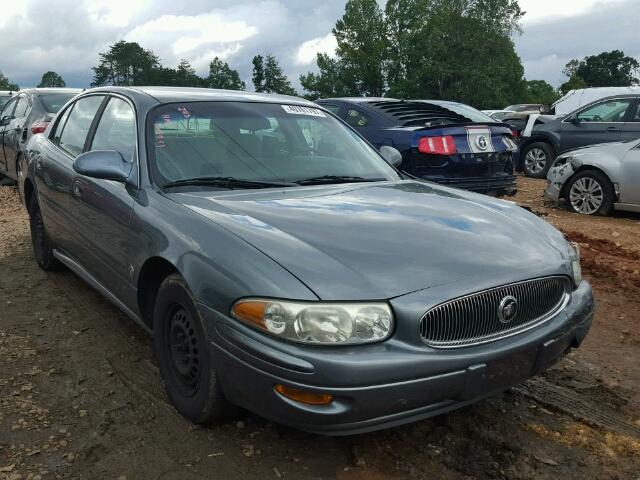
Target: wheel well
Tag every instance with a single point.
(28, 192)
(152, 274)
(586, 168)
(533, 140)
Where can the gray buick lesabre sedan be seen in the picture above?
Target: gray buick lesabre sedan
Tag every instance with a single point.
(284, 266)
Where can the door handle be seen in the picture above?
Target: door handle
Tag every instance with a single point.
(76, 188)
(612, 129)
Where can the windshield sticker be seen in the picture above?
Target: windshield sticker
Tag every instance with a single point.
(185, 113)
(298, 110)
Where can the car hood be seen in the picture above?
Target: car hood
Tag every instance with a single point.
(382, 240)
(612, 148)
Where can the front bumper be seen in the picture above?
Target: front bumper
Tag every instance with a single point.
(382, 385)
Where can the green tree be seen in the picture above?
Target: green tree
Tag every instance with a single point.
(607, 69)
(6, 84)
(539, 91)
(574, 83)
(223, 76)
(186, 76)
(51, 80)
(268, 76)
(363, 46)
(126, 63)
(258, 73)
(331, 81)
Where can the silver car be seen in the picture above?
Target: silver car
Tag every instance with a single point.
(598, 179)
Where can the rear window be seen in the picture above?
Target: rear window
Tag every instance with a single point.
(53, 102)
(468, 112)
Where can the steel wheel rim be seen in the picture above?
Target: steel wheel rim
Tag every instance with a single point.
(535, 160)
(586, 195)
(184, 349)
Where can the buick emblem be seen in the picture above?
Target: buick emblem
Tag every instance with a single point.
(481, 142)
(508, 309)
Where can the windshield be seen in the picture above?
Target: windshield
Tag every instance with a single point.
(53, 102)
(256, 142)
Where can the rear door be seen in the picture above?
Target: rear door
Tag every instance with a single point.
(5, 116)
(55, 175)
(630, 178)
(602, 122)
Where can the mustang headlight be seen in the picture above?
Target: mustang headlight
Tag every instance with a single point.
(317, 322)
(575, 264)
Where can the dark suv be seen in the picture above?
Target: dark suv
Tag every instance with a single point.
(440, 141)
(610, 119)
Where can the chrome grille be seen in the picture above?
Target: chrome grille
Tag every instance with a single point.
(474, 319)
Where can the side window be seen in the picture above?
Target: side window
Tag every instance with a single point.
(55, 134)
(636, 113)
(117, 129)
(332, 108)
(21, 107)
(8, 108)
(608, 111)
(356, 118)
(75, 130)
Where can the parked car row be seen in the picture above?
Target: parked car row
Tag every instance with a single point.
(286, 265)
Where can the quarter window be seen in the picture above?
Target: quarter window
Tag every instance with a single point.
(636, 116)
(8, 108)
(116, 130)
(609, 111)
(77, 125)
(356, 118)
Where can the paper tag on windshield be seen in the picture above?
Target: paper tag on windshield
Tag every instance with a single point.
(298, 110)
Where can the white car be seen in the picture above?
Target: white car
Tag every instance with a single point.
(597, 179)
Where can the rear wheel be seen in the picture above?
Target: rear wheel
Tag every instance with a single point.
(590, 193)
(537, 159)
(183, 355)
(42, 247)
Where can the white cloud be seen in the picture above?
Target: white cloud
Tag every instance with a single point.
(307, 52)
(548, 10)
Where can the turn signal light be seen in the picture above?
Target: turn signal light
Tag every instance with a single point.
(437, 145)
(302, 396)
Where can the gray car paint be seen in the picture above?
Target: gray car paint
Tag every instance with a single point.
(619, 161)
(411, 243)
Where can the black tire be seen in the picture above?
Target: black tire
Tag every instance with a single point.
(184, 359)
(597, 195)
(42, 246)
(537, 158)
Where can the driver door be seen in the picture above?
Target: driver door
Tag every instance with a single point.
(602, 122)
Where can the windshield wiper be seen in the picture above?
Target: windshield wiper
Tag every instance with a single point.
(336, 179)
(227, 182)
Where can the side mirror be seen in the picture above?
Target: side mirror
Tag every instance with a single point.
(575, 120)
(391, 155)
(4, 121)
(104, 164)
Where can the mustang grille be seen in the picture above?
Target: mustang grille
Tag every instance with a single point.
(475, 318)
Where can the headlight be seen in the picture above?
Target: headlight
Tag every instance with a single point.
(575, 264)
(317, 322)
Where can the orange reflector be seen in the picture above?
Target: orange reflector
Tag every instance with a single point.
(251, 312)
(301, 396)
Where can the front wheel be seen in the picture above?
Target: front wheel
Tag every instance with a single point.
(185, 363)
(538, 158)
(590, 193)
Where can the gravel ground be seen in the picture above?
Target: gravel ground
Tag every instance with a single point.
(80, 394)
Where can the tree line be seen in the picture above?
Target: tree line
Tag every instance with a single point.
(439, 49)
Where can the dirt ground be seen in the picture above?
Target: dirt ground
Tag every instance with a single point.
(80, 395)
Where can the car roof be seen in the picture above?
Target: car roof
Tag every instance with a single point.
(44, 91)
(188, 94)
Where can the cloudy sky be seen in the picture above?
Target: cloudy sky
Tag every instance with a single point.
(67, 35)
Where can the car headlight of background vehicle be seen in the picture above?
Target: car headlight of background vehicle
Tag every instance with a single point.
(575, 263)
(323, 323)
